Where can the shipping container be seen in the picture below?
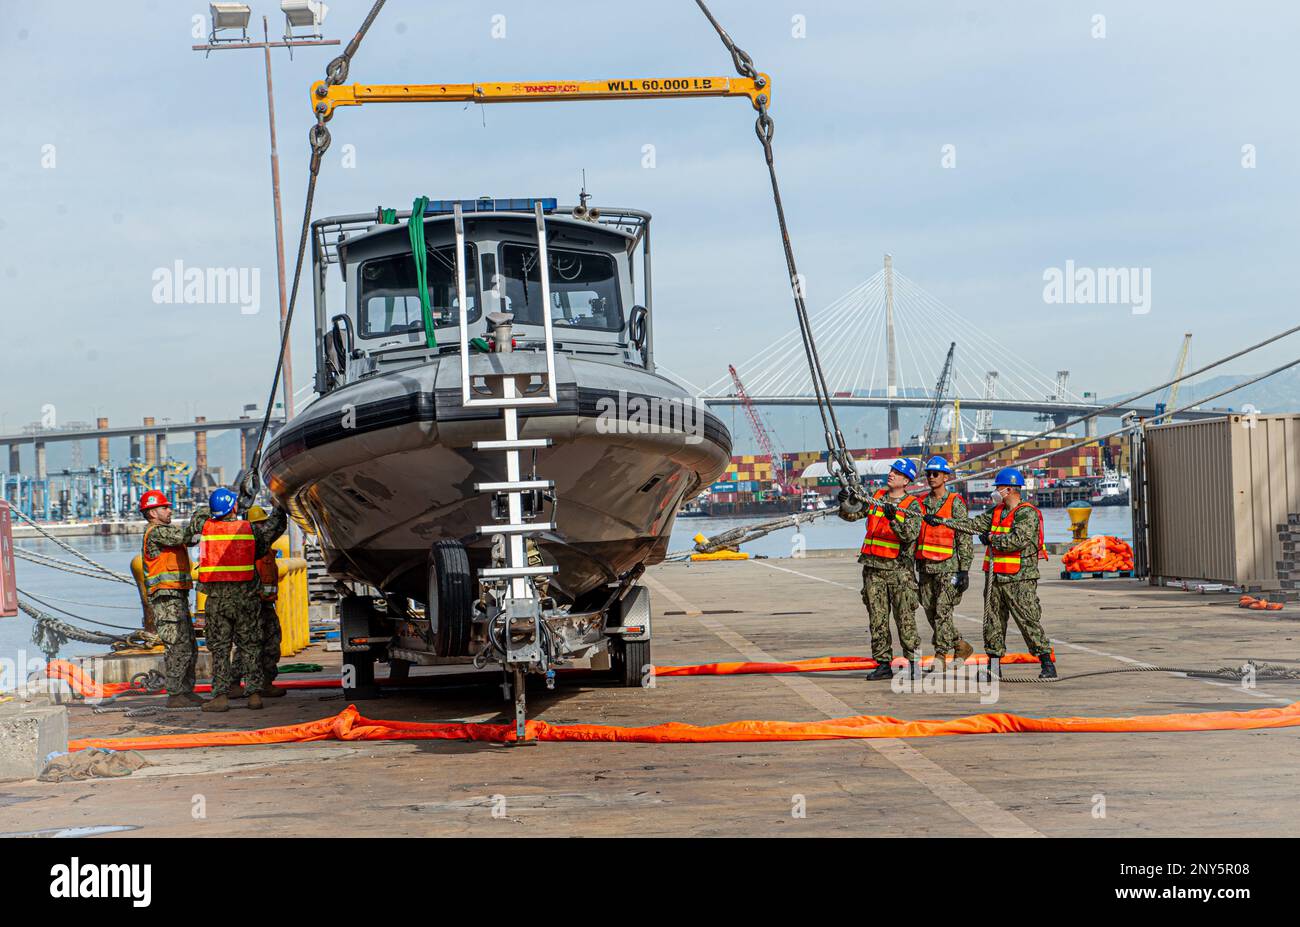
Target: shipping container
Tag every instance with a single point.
(1216, 491)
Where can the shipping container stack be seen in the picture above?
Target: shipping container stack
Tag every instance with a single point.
(1084, 462)
(1288, 568)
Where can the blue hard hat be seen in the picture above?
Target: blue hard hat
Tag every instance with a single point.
(1009, 476)
(905, 467)
(937, 464)
(222, 502)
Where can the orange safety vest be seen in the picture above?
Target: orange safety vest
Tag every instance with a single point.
(269, 575)
(227, 552)
(169, 570)
(1008, 561)
(881, 541)
(937, 542)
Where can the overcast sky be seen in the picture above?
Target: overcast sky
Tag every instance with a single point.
(1117, 151)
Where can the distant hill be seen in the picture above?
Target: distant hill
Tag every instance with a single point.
(1279, 393)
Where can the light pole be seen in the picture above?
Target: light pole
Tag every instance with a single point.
(228, 16)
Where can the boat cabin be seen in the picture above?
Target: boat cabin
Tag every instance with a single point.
(370, 318)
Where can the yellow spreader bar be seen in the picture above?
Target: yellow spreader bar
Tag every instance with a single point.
(325, 98)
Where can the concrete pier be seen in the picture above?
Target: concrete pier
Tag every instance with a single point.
(1228, 783)
(29, 732)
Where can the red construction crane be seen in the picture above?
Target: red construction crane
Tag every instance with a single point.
(760, 433)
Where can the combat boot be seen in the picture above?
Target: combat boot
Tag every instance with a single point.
(882, 671)
(940, 664)
(192, 698)
(236, 692)
(272, 692)
(178, 701)
(1049, 668)
(964, 650)
(254, 701)
(914, 665)
(992, 671)
(220, 703)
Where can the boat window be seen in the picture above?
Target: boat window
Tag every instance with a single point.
(390, 299)
(584, 288)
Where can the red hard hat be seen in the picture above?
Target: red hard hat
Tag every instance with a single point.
(153, 499)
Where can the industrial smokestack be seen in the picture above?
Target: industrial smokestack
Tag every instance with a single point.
(102, 424)
(150, 448)
(199, 482)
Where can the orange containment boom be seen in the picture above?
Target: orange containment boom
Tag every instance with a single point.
(83, 684)
(350, 724)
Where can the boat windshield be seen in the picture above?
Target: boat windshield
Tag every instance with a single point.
(584, 288)
(390, 299)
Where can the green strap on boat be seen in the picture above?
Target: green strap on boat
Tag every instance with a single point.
(388, 216)
(415, 225)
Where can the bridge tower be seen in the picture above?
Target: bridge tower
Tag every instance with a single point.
(984, 418)
(891, 350)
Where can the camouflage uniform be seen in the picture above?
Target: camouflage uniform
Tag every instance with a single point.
(233, 615)
(889, 586)
(270, 652)
(171, 607)
(938, 596)
(268, 655)
(1012, 595)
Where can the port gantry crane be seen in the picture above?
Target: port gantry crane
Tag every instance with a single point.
(514, 596)
(779, 475)
(940, 390)
(1179, 365)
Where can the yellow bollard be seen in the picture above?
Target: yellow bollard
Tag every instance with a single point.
(291, 605)
(1079, 512)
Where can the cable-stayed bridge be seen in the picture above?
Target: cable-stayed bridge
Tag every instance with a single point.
(883, 345)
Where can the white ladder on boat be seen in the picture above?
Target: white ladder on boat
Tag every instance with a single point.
(512, 396)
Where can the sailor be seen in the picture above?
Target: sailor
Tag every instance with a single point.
(888, 567)
(167, 589)
(1012, 534)
(228, 552)
(268, 579)
(943, 559)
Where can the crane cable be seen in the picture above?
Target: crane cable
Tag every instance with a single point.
(105, 571)
(764, 128)
(336, 72)
(1165, 416)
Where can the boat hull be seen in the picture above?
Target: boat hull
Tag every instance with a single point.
(382, 468)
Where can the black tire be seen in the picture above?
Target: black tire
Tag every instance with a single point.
(450, 604)
(630, 660)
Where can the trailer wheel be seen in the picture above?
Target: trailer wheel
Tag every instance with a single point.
(450, 604)
(631, 661)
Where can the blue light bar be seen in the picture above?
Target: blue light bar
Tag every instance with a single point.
(487, 204)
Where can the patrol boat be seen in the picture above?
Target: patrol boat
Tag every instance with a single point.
(517, 412)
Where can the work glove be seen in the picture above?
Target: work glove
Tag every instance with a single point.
(962, 580)
(887, 508)
(934, 521)
(850, 504)
(248, 486)
(984, 539)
